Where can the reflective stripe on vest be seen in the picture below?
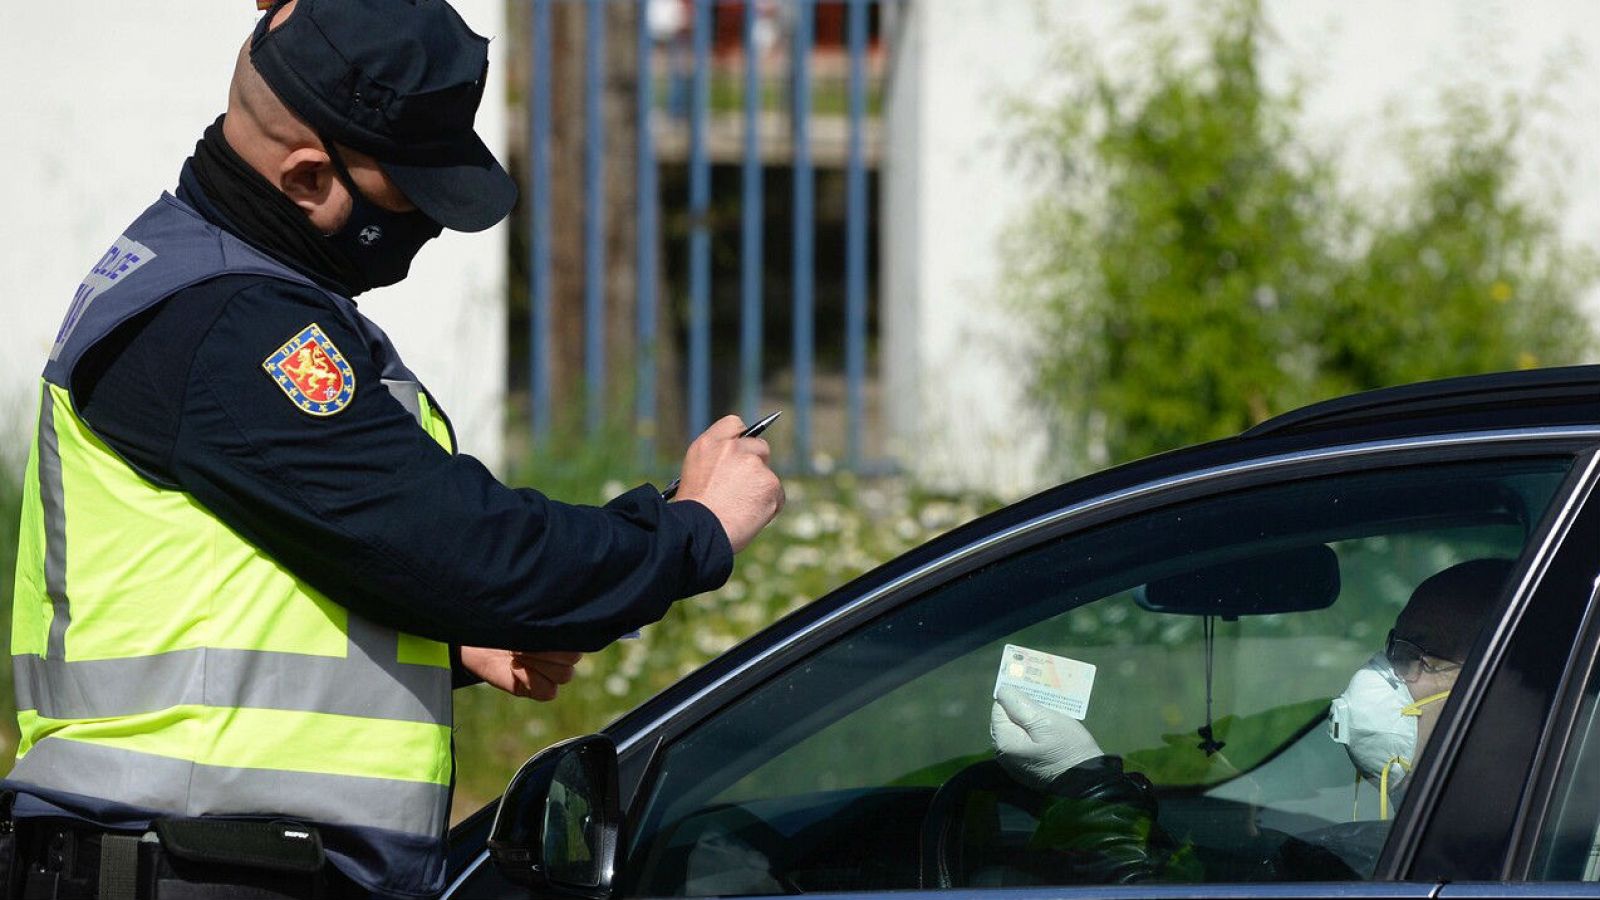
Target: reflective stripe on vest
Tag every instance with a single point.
(101, 770)
(55, 527)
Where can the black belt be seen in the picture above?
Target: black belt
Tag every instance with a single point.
(179, 859)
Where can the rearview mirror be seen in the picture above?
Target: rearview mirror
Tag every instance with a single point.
(1296, 580)
(556, 829)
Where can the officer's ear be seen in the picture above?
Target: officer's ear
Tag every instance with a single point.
(307, 177)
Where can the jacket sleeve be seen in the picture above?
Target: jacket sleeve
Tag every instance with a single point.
(368, 509)
(1102, 823)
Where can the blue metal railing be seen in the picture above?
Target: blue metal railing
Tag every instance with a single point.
(649, 231)
(856, 239)
(700, 230)
(800, 17)
(750, 211)
(539, 221)
(804, 343)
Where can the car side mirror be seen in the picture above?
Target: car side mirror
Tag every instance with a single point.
(556, 829)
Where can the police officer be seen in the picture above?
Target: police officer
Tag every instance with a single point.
(253, 563)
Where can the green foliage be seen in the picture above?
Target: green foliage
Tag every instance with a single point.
(833, 528)
(1195, 267)
(1464, 276)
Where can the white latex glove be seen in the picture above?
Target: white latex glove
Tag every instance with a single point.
(1035, 745)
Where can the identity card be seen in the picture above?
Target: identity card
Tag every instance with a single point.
(1053, 682)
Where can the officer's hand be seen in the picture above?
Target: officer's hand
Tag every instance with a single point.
(730, 475)
(1035, 745)
(534, 675)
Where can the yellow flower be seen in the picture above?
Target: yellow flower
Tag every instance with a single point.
(1526, 360)
(1500, 291)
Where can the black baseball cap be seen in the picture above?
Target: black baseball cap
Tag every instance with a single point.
(1446, 611)
(398, 80)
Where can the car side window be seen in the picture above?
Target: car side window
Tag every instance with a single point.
(1220, 633)
(1569, 845)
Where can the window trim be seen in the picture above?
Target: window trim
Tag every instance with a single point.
(1499, 890)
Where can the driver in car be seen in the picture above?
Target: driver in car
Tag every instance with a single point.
(1387, 713)
(1104, 820)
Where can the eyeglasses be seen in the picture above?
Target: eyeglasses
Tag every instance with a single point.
(1408, 660)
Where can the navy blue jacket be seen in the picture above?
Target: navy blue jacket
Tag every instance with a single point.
(363, 504)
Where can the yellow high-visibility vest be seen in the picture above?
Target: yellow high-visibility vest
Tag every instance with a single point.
(165, 662)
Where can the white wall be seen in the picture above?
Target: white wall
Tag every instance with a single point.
(952, 185)
(104, 100)
(949, 193)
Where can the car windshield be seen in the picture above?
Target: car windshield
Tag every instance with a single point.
(1218, 630)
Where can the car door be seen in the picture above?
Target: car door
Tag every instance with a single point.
(853, 753)
(1551, 847)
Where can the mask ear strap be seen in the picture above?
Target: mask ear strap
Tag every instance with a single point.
(339, 168)
(1383, 785)
(1415, 709)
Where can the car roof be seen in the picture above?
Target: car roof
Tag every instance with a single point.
(1566, 395)
(1532, 399)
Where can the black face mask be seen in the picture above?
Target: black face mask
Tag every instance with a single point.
(378, 244)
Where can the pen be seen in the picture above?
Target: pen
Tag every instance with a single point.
(753, 431)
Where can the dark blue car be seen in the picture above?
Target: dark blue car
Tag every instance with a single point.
(1224, 595)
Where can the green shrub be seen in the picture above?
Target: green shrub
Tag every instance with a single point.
(1193, 266)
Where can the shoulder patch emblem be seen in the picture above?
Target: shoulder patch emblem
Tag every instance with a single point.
(313, 373)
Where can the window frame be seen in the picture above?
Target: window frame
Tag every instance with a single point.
(643, 736)
(1201, 484)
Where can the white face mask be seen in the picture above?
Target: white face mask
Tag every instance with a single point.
(1376, 719)
(1368, 719)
